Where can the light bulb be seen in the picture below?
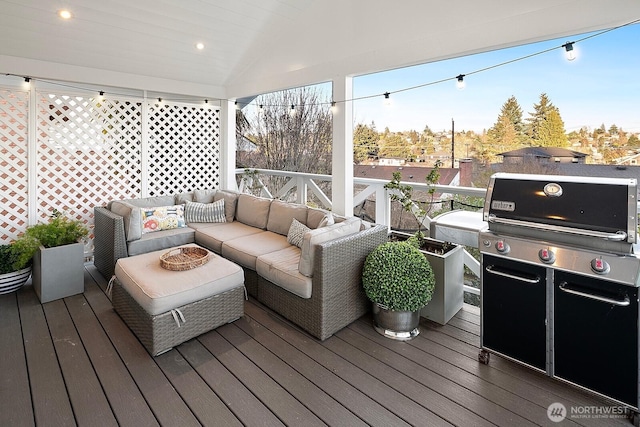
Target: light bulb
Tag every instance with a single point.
(333, 108)
(387, 100)
(64, 14)
(569, 51)
(460, 84)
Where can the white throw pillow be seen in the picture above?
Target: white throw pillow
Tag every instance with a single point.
(327, 220)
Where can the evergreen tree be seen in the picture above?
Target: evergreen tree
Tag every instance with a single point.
(394, 145)
(545, 126)
(508, 131)
(365, 142)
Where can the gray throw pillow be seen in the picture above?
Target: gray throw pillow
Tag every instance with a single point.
(204, 212)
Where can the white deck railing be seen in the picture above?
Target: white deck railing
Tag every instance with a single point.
(300, 187)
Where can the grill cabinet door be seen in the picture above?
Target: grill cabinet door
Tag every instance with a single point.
(596, 341)
(514, 310)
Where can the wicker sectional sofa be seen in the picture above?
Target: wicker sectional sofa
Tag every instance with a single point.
(310, 272)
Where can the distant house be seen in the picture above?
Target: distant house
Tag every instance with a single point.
(542, 155)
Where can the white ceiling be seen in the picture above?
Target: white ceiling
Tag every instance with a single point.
(257, 46)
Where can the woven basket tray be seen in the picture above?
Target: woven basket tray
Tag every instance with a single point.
(185, 258)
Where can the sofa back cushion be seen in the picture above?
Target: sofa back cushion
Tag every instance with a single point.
(182, 198)
(204, 196)
(320, 235)
(131, 217)
(253, 211)
(230, 203)
(281, 215)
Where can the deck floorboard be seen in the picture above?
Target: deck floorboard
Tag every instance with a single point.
(75, 362)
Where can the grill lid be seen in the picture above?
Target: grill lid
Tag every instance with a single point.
(597, 207)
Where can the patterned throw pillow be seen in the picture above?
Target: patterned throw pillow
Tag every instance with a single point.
(296, 233)
(162, 218)
(205, 212)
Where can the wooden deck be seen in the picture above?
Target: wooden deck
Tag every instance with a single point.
(74, 362)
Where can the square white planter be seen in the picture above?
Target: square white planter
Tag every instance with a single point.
(448, 293)
(58, 272)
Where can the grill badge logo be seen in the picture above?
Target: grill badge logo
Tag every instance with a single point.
(552, 190)
(499, 205)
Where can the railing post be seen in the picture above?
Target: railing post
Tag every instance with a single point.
(383, 206)
(301, 183)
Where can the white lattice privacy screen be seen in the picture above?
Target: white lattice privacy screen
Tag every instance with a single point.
(88, 151)
(13, 162)
(184, 148)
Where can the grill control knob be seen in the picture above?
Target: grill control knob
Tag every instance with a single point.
(547, 256)
(600, 266)
(502, 247)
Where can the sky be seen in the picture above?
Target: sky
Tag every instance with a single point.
(601, 86)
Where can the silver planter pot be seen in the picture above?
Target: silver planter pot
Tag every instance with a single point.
(397, 325)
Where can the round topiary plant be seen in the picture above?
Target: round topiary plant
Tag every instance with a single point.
(397, 276)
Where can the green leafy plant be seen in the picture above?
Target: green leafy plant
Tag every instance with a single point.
(18, 254)
(398, 276)
(60, 230)
(403, 193)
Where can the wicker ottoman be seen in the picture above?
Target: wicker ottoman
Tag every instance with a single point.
(165, 308)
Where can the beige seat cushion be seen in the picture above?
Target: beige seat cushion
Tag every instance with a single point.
(320, 235)
(213, 235)
(161, 240)
(245, 250)
(158, 290)
(281, 268)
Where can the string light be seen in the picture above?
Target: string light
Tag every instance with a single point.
(292, 111)
(569, 51)
(387, 100)
(460, 84)
(333, 107)
(568, 47)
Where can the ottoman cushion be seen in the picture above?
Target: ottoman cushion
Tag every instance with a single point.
(158, 290)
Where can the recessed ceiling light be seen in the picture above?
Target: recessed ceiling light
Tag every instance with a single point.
(199, 46)
(64, 14)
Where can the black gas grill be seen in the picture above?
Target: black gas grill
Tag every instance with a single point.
(560, 277)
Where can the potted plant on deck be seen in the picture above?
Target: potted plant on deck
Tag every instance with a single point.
(58, 264)
(446, 259)
(15, 263)
(398, 279)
